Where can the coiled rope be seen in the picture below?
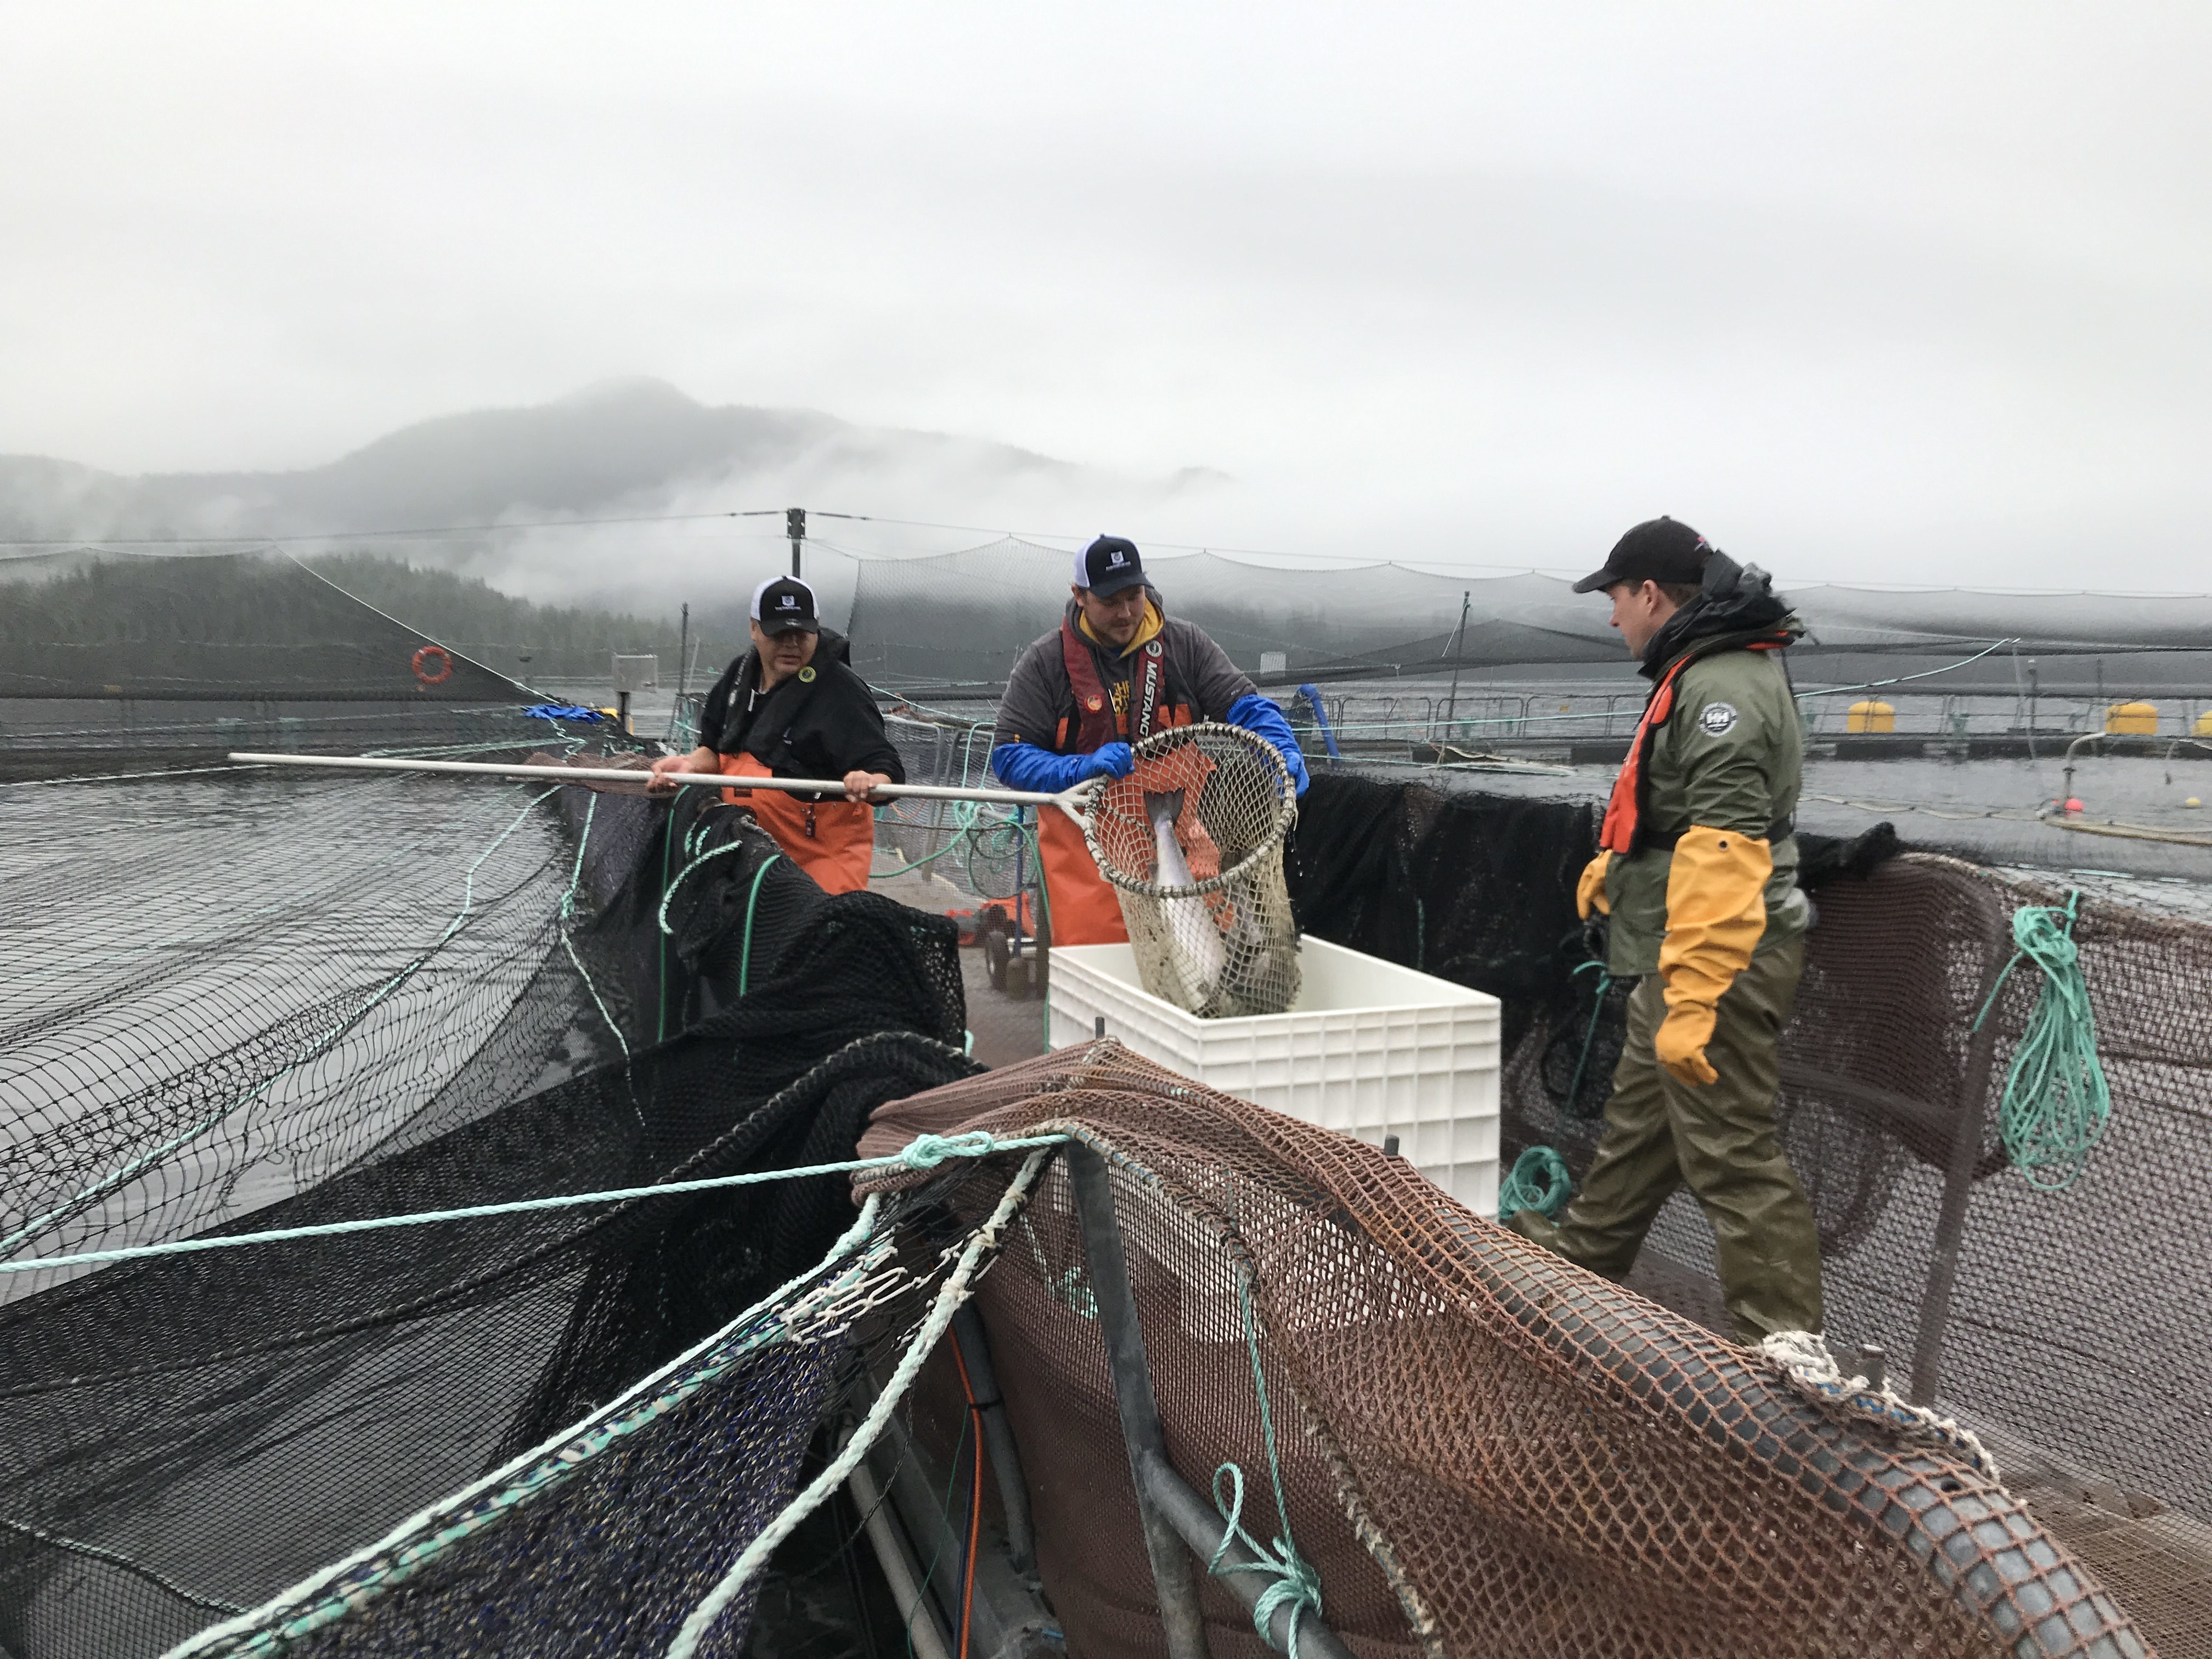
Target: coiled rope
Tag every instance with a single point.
(1538, 1181)
(2057, 1103)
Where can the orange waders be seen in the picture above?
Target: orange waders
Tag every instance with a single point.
(833, 840)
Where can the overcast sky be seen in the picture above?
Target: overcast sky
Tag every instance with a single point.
(1918, 292)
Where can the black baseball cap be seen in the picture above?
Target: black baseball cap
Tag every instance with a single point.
(1657, 550)
(1109, 565)
(783, 603)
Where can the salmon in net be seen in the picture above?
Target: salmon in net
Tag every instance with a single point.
(1192, 842)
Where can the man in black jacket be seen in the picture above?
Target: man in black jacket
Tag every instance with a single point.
(792, 708)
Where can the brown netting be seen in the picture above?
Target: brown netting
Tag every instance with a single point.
(1487, 1450)
(2068, 1327)
(1192, 843)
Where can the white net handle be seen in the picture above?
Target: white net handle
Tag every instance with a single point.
(1160, 743)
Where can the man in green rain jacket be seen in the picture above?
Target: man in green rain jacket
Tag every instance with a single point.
(1697, 870)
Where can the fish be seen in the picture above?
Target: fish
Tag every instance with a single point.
(1201, 954)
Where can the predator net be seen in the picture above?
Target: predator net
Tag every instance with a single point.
(953, 623)
(1480, 1450)
(1192, 842)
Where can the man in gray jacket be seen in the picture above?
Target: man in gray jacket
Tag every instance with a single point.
(1116, 670)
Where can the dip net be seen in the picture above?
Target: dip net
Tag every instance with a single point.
(1192, 842)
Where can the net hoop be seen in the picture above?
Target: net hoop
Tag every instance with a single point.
(423, 654)
(1158, 745)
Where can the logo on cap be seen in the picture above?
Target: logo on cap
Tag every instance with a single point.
(1115, 558)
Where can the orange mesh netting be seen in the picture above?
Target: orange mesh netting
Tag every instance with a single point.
(1487, 1450)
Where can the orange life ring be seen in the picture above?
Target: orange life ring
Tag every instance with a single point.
(445, 665)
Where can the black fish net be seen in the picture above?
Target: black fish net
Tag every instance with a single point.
(388, 997)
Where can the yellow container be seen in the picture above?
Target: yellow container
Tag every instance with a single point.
(2135, 720)
(1871, 715)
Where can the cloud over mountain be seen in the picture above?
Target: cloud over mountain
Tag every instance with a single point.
(637, 449)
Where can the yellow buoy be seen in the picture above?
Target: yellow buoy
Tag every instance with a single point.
(2131, 719)
(1871, 715)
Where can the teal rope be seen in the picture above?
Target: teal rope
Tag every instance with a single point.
(1295, 1581)
(964, 827)
(1538, 1181)
(2057, 1103)
(922, 1152)
(1597, 1008)
(752, 898)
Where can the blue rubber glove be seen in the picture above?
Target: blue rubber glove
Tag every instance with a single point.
(1025, 766)
(1259, 716)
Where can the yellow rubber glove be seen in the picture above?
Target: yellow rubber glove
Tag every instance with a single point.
(1589, 891)
(1715, 913)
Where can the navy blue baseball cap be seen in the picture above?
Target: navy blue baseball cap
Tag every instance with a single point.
(782, 604)
(1657, 550)
(1108, 566)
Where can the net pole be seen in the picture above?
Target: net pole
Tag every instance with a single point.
(1070, 801)
(1966, 1122)
(1133, 1395)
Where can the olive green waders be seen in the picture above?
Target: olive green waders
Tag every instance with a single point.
(1720, 1139)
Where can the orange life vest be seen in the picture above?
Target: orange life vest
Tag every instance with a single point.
(1080, 902)
(833, 840)
(1624, 810)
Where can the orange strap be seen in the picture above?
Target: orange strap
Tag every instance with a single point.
(1624, 810)
(833, 840)
(1617, 835)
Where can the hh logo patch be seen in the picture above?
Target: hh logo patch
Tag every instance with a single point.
(1718, 720)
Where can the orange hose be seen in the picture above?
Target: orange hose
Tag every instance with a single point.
(975, 1503)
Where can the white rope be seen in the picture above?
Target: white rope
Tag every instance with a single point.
(954, 1291)
(1806, 1364)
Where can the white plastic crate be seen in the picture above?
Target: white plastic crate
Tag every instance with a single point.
(1369, 1048)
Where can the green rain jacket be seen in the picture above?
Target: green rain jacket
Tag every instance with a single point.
(1730, 757)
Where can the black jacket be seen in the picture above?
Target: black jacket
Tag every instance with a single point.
(819, 727)
(1736, 606)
